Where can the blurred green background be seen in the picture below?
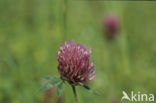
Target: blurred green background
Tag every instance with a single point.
(31, 32)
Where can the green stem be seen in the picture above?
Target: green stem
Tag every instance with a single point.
(65, 20)
(74, 91)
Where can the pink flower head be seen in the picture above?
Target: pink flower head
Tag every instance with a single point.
(111, 25)
(73, 63)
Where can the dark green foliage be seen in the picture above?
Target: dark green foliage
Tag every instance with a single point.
(60, 89)
(51, 82)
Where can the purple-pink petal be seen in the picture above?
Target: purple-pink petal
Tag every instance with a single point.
(92, 77)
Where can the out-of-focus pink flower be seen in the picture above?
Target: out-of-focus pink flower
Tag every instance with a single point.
(50, 97)
(111, 26)
(73, 63)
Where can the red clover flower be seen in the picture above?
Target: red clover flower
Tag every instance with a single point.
(111, 25)
(73, 63)
(74, 67)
